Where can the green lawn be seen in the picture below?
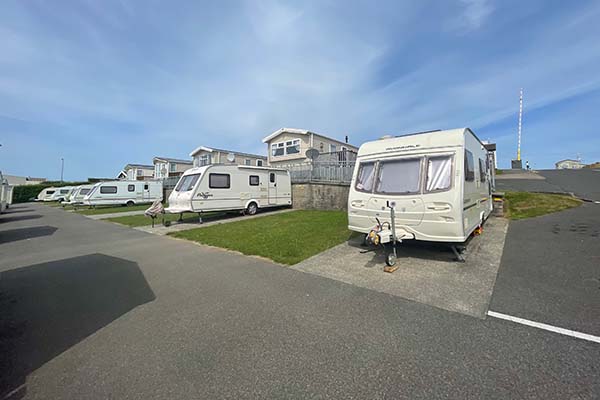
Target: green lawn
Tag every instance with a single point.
(109, 210)
(142, 220)
(286, 238)
(519, 205)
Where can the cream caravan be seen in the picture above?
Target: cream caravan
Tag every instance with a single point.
(123, 193)
(230, 187)
(438, 183)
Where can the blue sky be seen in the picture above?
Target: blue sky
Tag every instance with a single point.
(104, 83)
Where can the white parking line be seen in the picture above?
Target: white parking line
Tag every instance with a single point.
(545, 327)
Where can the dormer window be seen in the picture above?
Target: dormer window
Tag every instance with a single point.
(285, 148)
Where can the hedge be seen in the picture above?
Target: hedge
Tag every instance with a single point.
(24, 193)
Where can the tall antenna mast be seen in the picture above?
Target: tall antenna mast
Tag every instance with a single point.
(520, 122)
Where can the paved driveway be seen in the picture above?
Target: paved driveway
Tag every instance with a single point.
(202, 323)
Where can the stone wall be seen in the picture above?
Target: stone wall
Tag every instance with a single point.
(320, 196)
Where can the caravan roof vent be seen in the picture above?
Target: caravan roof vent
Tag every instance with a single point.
(386, 137)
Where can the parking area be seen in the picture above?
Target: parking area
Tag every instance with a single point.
(147, 316)
(427, 274)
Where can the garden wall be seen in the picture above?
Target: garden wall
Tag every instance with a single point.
(320, 196)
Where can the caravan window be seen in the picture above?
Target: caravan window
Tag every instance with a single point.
(254, 180)
(50, 192)
(219, 181)
(130, 188)
(439, 173)
(84, 191)
(482, 170)
(399, 176)
(108, 189)
(364, 179)
(64, 191)
(187, 183)
(469, 167)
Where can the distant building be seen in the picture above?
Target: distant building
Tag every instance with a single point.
(165, 167)
(288, 146)
(139, 172)
(569, 164)
(491, 148)
(209, 155)
(14, 180)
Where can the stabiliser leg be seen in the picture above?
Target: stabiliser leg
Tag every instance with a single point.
(458, 253)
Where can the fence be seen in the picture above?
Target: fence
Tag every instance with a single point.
(321, 172)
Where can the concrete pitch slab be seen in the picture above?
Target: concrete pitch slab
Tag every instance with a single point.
(427, 272)
(114, 215)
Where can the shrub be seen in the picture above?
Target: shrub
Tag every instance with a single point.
(24, 193)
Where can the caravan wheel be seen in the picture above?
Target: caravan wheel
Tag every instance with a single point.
(252, 208)
(130, 203)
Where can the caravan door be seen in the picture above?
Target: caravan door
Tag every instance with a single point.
(272, 188)
(146, 195)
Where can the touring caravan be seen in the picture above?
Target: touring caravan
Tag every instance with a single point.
(46, 194)
(3, 193)
(61, 193)
(230, 187)
(78, 194)
(123, 193)
(9, 195)
(437, 182)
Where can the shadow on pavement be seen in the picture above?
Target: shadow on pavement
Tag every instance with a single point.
(7, 218)
(13, 235)
(47, 308)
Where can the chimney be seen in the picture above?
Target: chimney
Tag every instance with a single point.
(346, 139)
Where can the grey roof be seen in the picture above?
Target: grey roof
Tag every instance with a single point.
(229, 151)
(174, 160)
(140, 166)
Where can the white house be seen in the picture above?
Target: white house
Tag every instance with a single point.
(209, 155)
(165, 167)
(287, 146)
(139, 172)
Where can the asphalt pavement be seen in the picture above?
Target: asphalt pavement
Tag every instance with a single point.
(204, 323)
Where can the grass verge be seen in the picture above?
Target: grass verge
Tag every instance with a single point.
(142, 220)
(286, 238)
(519, 205)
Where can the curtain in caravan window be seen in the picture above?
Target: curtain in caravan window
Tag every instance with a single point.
(399, 176)
(364, 180)
(439, 173)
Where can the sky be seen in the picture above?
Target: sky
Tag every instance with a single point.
(106, 83)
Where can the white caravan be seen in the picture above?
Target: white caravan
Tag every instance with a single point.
(46, 194)
(124, 193)
(438, 183)
(3, 193)
(230, 187)
(61, 193)
(78, 194)
(9, 195)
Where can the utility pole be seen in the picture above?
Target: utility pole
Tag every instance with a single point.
(62, 168)
(520, 124)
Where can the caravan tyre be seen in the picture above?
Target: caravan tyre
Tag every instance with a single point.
(130, 203)
(252, 208)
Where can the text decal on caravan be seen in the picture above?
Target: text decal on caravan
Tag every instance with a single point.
(406, 147)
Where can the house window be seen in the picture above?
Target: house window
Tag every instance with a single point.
(439, 173)
(259, 163)
(277, 149)
(292, 146)
(469, 167)
(248, 161)
(321, 147)
(140, 172)
(205, 159)
(219, 181)
(130, 188)
(108, 189)
(482, 170)
(172, 167)
(332, 148)
(254, 180)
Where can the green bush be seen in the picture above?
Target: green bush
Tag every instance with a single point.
(24, 193)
